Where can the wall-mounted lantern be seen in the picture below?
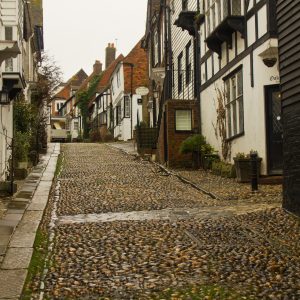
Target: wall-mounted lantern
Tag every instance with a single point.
(4, 97)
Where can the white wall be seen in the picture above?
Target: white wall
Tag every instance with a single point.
(254, 107)
(6, 133)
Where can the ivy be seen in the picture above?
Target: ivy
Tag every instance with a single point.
(83, 102)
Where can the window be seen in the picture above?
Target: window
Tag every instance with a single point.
(188, 63)
(76, 125)
(183, 120)
(9, 67)
(118, 78)
(126, 107)
(119, 115)
(213, 14)
(236, 7)
(59, 105)
(234, 104)
(180, 73)
(185, 4)
(8, 33)
(155, 53)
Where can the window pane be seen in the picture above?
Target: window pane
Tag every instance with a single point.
(241, 114)
(239, 83)
(236, 9)
(234, 118)
(229, 134)
(8, 33)
(184, 120)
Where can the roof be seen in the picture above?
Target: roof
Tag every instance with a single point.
(74, 81)
(138, 57)
(105, 78)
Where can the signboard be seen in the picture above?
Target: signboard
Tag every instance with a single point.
(142, 91)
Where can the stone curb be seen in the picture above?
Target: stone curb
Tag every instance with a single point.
(22, 221)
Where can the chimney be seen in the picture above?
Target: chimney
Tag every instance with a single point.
(110, 54)
(97, 67)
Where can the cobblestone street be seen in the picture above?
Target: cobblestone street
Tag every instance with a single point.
(124, 229)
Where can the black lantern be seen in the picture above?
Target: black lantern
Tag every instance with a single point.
(4, 97)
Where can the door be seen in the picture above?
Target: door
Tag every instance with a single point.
(274, 130)
(165, 138)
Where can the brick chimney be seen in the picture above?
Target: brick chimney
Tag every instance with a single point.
(97, 67)
(110, 54)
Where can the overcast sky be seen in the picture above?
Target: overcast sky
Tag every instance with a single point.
(77, 32)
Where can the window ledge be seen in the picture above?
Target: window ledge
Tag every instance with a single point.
(235, 136)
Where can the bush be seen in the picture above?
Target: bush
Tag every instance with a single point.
(192, 144)
(21, 146)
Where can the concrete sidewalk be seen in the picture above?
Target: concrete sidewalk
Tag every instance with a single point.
(19, 226)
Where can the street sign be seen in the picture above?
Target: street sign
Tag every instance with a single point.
(142, 91)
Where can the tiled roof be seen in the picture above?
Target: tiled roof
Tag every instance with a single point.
(74, 81)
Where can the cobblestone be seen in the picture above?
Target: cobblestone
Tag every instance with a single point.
(107, 245)
(229, 190)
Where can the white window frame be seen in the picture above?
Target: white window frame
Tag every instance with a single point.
(234, 104)
(155, 48)
(126, 107)
(183, 120)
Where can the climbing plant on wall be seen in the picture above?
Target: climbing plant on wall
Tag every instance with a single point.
(84, 97)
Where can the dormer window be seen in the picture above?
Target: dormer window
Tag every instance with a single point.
(185, 5)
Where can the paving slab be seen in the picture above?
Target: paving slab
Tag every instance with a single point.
(37, 206)
(15, 211)
(17, 258)
(22, 239)
(4, 239)
(11, 283)
(13, 217)
(6, 230)
(18, 204)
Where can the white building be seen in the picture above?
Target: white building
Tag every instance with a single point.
(21, 42)
(128, 108)
(238, 66)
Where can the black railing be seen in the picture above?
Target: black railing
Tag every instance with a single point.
(183, 84)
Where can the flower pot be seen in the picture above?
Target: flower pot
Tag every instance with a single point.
(243, 169)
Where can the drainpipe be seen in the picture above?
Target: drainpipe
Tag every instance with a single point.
(197, 70)
(131, 93)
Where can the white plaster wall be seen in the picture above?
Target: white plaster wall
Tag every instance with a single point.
(6, 133)
(254, 107)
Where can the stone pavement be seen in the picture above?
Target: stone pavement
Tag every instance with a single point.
(125, 229)
(19, 225)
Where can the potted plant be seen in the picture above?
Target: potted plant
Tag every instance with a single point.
(242, 164)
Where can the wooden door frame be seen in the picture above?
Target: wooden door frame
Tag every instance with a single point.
(267, 89)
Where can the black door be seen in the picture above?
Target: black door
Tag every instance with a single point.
(274, 130)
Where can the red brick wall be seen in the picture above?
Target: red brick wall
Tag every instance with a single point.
(174, 139)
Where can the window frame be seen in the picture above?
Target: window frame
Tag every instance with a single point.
(127, 107)
(234, 104)
(191, 116)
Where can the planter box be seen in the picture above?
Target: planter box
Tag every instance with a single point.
(243, 169)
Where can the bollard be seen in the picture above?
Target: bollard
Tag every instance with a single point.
(254, 171)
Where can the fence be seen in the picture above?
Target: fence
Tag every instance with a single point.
(146, 138)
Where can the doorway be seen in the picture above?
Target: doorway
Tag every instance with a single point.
(274, 130)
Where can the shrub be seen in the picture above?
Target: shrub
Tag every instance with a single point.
(22, 146)
(94, 135)
(193, 143)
